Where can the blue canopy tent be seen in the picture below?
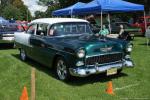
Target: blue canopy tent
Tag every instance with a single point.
(107, 6)
(99, 7)
(2, 20)
(96, 6)
(69, 10)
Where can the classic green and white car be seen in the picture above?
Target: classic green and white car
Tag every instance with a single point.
(68, 45)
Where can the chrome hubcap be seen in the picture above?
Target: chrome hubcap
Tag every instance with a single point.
(61, 69)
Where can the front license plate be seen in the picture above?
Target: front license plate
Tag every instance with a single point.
(111, 71)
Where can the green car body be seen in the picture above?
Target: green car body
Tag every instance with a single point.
(82, 54)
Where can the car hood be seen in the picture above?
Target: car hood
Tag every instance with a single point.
(90, 43)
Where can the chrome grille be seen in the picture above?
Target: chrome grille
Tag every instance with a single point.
(101, 59)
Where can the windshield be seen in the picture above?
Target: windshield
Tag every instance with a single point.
(70, 28)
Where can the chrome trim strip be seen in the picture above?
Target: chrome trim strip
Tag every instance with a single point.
(103, 54)
(120, 61)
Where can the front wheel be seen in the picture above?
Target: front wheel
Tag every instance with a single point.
(62, 69)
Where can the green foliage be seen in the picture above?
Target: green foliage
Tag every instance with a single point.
(11, 12)
(14, 9)
(6, 2)
(24, 10)
(62, 4)
(44, 2)
(65, 3)
(50, 9)
(39, 14)
(47, 13)
(131, 84)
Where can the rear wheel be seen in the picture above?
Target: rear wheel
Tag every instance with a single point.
(62, 71)
(119, 71)
(23, 55)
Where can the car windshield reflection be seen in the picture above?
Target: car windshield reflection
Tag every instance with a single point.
(69, 29)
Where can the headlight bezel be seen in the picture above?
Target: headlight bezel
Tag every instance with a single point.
(81, 53)
(129, 48)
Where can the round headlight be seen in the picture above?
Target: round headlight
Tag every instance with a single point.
(129, 48)
(81, 53)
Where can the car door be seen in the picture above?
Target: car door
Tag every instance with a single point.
(40, 47)
(24, 38)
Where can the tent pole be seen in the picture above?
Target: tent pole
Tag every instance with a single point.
(71, 12)
(101, 20)
(145, 21)
(109, 22)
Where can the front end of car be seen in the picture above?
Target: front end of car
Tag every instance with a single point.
(7, 33)
(7, 38)
(98, 58)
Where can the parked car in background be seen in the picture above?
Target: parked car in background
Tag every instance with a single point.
(71, 48)
(131, 30)
(115, 29)
(141, 24)
(7, 29)
(22, 25)
(7, 32)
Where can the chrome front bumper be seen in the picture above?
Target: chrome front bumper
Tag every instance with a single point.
(86, 71)
(7, 37)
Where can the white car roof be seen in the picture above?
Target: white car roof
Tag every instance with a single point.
(57, 20)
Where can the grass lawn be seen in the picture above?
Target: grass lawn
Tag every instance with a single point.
(132, 83)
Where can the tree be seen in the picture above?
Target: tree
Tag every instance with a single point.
(66, 3)
(51, 9)
(25, 13)
(39, 14)
(52, 5)
(16, 9)
(46, 2)
(6, 2)
(11, 12)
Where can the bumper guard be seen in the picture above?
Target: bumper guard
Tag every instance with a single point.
(86, 71)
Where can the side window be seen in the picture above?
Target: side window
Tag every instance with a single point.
(31, 29)
(52, 31)
(42, 29)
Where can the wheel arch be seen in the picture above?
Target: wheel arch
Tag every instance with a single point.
(55, 59)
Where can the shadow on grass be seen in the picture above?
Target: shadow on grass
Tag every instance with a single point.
(75, 81)
(37, 66)
(102, 78)
(6, 46)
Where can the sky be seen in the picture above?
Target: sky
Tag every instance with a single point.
(33, 6)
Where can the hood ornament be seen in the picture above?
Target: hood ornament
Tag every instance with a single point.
(106, 49)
